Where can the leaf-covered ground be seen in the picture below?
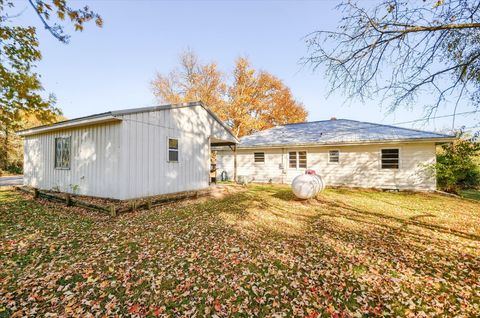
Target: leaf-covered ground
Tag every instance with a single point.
(255, 253)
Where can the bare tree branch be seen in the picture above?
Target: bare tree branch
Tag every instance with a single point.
(402, 49)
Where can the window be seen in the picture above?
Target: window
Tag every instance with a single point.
(259, 157)
(62, 152)
(390, 158)
(302, 159)
(297, 159)
(292, 160)
(172, 150)
(334, 156)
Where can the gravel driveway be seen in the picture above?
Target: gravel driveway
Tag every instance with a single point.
(11, 181)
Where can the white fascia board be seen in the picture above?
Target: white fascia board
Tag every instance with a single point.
(68, 124)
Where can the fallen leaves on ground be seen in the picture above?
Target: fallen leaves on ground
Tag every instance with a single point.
(350, 253)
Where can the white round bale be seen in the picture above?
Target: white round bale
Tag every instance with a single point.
(306, 186)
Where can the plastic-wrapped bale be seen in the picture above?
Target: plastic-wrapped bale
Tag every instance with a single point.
(306, 186)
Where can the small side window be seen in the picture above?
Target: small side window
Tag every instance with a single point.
(172, 150)
(259, 157)
(62, 152)
(390, 158)
(334, 156)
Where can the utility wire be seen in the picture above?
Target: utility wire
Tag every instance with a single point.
(338, 133)
(436, 117)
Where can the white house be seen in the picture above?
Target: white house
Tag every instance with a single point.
(126, 154)
(344, 152)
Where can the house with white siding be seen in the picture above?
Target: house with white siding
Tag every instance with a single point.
(343, 152)
(126, 154)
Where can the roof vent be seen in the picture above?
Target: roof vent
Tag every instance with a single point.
(333, 118)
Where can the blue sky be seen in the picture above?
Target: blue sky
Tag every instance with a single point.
(111, 67)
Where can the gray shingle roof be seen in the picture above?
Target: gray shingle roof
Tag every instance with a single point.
(336, 131)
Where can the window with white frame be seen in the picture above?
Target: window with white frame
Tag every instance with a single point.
(334, 156)
(62, 152)
(297, 159)
(390, 158)
(172, 150)
(259, 157)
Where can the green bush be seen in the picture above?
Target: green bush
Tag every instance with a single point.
(457, 165)
(15, 167)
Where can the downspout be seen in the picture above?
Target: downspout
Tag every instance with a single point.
(235, 162)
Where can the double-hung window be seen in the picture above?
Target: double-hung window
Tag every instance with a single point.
(172, 150)
(334, 156)
(62, 152)
(259, 157)
(390, 158)
(297, 159)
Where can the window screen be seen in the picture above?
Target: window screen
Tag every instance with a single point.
(259, 157)
(172, 150)
(62, 152)
(292, 160)
(333, 156)
(390, 158)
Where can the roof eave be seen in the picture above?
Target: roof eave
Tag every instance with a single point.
(370, 142)
(228, 129)
(101, 119)
(112, 116)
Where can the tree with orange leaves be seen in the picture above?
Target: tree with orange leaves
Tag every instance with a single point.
(254, 100)
(192, 81)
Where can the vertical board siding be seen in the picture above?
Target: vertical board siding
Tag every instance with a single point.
(93, 162)
(359, 166)
(145, 151)
(129, 159)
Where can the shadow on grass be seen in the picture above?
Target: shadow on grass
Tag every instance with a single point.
(471, 194)
(341, 228)
(356, 214)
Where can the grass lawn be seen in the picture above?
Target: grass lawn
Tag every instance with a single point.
(256, 253)
(471, 194)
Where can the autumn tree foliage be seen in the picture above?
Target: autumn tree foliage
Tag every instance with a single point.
(192, 81)
(21, 96)
(11, 149)
(252, 101)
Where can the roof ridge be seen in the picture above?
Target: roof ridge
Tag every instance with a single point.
(363, 122)
(156, 107)
(308, 122)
